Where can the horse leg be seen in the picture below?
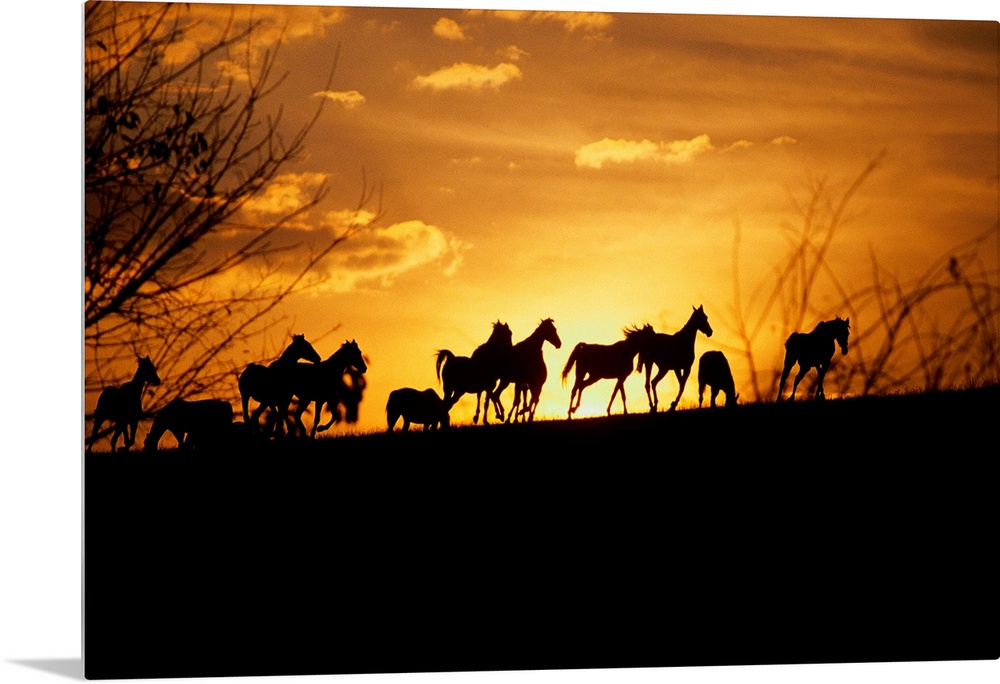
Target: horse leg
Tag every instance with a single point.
(577, 393)
(130, 429)
(655, 401)
(789, 362)
(619, 387)
(798, 378)
(98, 422)
(515, 404)
(115, 435)
(820, 393)
(649, 395)
(497, 403)
(682, 376)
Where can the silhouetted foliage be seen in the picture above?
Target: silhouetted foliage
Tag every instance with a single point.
(174, 147)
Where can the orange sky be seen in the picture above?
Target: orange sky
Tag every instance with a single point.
(593, 168)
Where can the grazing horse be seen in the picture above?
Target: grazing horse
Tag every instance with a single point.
(605, 361)
(200, 423)
(814, 350)
(477, 374)
(672, 352)
(423, 408)
(321, 383)
(715, 373)
(269, 385)
(123, 405)
(526, 370)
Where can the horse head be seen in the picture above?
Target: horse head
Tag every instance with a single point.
(549, 333)
(351, 354)
(843, 331)
(301, 349)
(147, 371)
(501, 335)
(701, 320)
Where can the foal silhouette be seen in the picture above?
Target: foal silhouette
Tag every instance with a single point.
(270, 385)
(526, 370)
(605, 361)
(672, 353)
(123, 405)
(477, 374)
(814, 349)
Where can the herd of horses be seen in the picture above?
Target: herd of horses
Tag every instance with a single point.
(285, 388)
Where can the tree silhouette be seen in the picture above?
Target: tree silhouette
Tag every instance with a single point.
(174, 148)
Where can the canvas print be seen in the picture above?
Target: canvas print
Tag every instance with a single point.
(428, 339)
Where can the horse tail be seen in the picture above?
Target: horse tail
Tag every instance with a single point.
(441, 356)
(569, 362)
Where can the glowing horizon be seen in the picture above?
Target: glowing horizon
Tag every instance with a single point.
(598, 168)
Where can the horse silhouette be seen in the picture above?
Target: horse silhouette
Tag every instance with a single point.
(672, 352)
(122, 405)
(344, 398)
(605, 361)
(194, 424)
(526, 370)
(270, 385)
(415, 406)
(715, 373)
(321, 383)
(477, 374)
(814, 349)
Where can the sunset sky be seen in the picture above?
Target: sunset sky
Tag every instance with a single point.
(594, 167)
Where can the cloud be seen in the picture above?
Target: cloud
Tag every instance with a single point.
(512, 53)
(285, 194)
(381, 255)
(607, 151)
(348, 99)
(272, 24)
(448, 29)
(465, 76)
(740, 145)
(590, 22)
(784, 140)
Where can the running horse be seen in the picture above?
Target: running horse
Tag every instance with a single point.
(477, 374)
(814, 350)
(672, 352)
(526, 370)
(270, 385)
(122, 405)
(321, 383)
(605, 361)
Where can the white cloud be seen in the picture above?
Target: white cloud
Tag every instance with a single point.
(285, 194)
(607, 151)
(591, 22)
(349, 99)
(784, 140)
(381, 255)
(465, 76)
(448, 29)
